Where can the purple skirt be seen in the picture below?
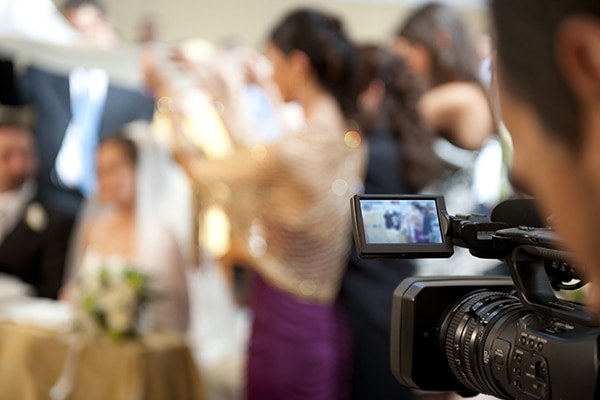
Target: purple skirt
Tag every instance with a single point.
(298, 350)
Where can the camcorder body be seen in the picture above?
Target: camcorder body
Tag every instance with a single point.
(511, 337)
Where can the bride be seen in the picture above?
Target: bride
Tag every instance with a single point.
(127, 221)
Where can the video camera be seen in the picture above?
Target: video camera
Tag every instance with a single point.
(509, 338)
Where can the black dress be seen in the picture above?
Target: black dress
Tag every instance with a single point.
(368, 286)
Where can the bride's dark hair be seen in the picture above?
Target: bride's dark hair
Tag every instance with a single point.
(126, 144)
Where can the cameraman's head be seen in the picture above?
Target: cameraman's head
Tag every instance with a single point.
(548, 63)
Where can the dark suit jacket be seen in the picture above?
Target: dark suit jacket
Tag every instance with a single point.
(37, 254)
(49, 95)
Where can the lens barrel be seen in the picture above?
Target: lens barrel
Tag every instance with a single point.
(469, 332)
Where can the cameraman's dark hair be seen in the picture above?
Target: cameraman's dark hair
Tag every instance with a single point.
(322, 38)
(457, 62)
(419, 164)
(525, 33)
(71, 4)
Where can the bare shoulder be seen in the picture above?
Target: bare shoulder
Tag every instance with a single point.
(456, 93)
(461, 111)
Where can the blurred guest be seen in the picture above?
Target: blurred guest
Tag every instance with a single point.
(123, 222)
(401, 160)
(440, 50)
(74, 110)
(290, 201)
(89, 18)
(33, 236)
(149, 28)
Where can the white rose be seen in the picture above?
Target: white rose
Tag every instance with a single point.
(87, 323)
(91, 284)
(120, 295)
(36, 217)
(120, 320)
(115, 265)
(108, 301)
(127, 296)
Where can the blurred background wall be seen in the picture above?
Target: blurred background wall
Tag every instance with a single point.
(250, 20)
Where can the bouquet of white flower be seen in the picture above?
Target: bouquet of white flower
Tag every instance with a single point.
(109, 300)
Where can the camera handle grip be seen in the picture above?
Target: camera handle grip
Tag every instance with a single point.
(527, 269)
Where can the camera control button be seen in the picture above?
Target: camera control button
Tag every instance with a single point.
(519, 358)
(518, 384)
(540, 388)
(539, 346)
(540, 370)
(523, 340)
(531, 343)
(498, 360)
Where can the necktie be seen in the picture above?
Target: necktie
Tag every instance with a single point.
(75, 162)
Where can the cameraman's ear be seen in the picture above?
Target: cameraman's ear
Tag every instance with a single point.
(578, 57)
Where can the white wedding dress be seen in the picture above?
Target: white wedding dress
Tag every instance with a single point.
(161, 260)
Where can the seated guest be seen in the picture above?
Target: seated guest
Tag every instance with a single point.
(33, 236)
(124, 223)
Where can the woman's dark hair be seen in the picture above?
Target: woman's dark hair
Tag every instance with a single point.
(399, 114)
(127, 145)
(446, 37)
(332, 56)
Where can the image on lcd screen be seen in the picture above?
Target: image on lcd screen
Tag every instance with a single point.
(404, 221)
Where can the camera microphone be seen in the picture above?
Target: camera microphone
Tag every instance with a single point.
(518, 212)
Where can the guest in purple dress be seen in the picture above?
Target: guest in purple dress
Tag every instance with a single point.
(298, 350)
(288, 203)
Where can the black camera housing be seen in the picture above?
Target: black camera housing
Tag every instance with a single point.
(473, 335)
(510, 337)
(418, 307)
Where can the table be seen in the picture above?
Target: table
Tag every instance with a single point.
(156, 367)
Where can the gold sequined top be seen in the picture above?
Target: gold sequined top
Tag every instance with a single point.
(289, 207)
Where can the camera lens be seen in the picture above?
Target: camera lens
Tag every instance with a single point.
(468, 331)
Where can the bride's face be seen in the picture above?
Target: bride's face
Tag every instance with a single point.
(116, 174)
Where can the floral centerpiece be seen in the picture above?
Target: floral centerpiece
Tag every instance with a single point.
(109, 300)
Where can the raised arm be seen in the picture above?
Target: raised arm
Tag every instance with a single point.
(459, 111)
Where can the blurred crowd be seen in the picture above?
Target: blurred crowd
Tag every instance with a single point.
(227, 174)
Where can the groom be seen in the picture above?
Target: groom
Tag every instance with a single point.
(33, 236)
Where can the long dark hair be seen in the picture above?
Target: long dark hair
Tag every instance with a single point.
(399, 114)
(332, 55)
(453, 59)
